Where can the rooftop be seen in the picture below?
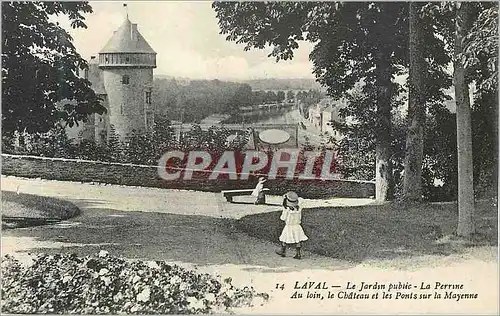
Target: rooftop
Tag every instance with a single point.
(127, 39)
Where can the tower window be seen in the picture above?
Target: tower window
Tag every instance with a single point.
(102, 134)
(149, 120)
(125, 79)
(148, 97)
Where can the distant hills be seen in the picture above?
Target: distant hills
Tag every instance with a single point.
(264, 84)
(283, 84)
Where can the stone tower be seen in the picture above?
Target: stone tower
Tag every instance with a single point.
(126, 64)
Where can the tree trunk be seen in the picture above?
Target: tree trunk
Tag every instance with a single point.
(412, 188)
(464, 135)
(383, 174)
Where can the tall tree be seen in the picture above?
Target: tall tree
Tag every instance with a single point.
(427, 82)
(353, 42)
(40, 68)
(471, 31)
(414, 153)
(473, 37)
(464, 130)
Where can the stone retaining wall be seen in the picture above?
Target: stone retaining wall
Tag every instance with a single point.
(147, 176)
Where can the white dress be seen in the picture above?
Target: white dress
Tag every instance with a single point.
(258, 189)
(292, 232)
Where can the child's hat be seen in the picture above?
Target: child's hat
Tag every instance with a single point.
(262, 179)
(292, 198)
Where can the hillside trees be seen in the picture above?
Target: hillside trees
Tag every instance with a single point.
(167, 94)
(242, 98)
(280, 96)
(200, 98)
(40, 68)
(271, 97)
(353, 42)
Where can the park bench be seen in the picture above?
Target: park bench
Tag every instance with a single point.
(229, 194)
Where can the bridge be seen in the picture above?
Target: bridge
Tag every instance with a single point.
(267, 106)
(254, 129)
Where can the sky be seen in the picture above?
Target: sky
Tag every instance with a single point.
(185, 35)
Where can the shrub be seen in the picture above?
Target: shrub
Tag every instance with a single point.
(104, 284)
(90, 150)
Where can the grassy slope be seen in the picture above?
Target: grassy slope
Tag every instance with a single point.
(33, 206)
(379, 231)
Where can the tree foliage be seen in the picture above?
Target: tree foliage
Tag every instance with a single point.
(480, 57)
(40, 65)
(352, 42)
(367, 43)
(481, 47)
(198, 99)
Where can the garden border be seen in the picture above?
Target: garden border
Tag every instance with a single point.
(79, 170)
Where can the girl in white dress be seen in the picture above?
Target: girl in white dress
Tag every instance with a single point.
(292, 232)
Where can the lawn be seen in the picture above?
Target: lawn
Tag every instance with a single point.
(381, 231)
(27, 209)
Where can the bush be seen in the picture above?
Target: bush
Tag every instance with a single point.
(54, 143)
(90, 150)
(104, 284)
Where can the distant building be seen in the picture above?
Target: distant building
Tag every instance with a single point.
(327, 115)
(324, 113)
(315, 116)
(123, 76)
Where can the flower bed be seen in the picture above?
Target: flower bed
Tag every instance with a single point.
(104, 284)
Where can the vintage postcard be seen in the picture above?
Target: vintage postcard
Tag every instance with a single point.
(198, 157)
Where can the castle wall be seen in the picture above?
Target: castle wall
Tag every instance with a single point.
(127, 102)
(101, 123)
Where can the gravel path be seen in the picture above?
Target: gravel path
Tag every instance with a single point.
(198, 230)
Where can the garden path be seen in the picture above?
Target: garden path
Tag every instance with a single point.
(198, 230)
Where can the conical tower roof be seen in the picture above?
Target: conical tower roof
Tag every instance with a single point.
(127, 39)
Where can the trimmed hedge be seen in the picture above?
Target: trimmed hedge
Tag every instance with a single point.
(147, 176)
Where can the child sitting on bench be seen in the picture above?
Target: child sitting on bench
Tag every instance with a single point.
(258, 192)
